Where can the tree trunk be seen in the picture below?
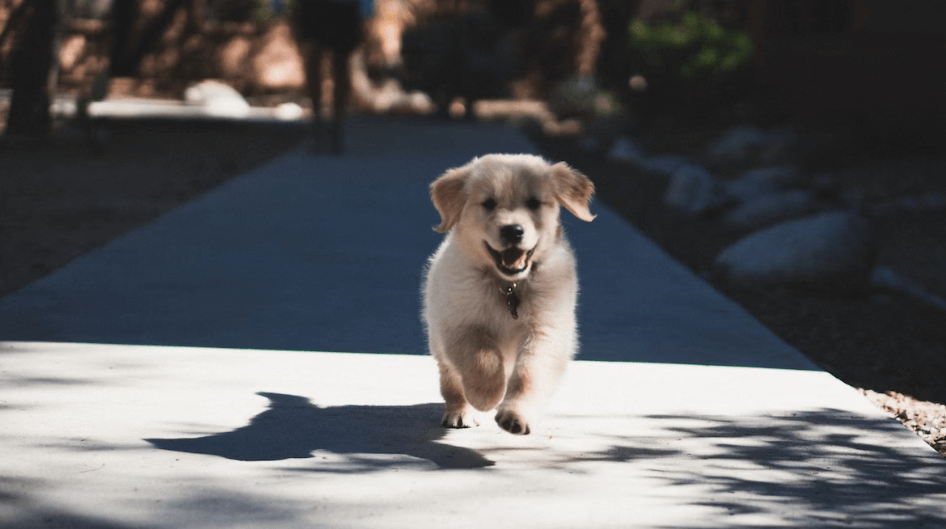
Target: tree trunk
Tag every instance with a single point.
(124, 16)
(35, 68)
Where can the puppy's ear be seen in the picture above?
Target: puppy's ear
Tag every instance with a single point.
(447, 195)
(573, 190)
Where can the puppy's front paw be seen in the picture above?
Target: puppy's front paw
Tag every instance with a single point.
(512, 422)
(460, 419)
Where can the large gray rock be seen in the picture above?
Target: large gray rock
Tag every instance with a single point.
(693, 190)
(762, 181)
(737, 143)
(626, 150)
(889, 279)
(743, 144)
(770, 209)
(664, 164)
(832, 251)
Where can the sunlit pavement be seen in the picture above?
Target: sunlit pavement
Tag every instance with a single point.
(172, 379)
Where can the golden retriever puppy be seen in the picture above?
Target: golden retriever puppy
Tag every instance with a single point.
(500, 291)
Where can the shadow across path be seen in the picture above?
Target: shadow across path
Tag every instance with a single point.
(835, 468)
(293, 427)
(90, 431)
(832, 466)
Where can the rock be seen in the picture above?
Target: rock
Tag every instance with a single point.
(853, 197)
(825, 185)
(932, 201)
(693, 190)
(625, 149)
(745, 142)
(665, 164)
(217, 99)
(737, 143)
(921, 203)
(764, 181)
(590, 144)
(883, 209)
(778, 146)
(929, 202)
(909, 204)
(288, 112)
(889, 279)
(832, 251)
(578, 96)
(770, 209)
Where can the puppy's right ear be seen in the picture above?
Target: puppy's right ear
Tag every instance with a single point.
(447, 195)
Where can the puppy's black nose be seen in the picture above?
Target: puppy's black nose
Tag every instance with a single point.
(512, 233)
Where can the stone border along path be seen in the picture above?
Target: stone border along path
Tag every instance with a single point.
(212, 408)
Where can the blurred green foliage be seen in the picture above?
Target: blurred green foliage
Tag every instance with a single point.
(694, 48)
(690, 59)
(267, 10)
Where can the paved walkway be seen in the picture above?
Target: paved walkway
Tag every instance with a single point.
(171, 379)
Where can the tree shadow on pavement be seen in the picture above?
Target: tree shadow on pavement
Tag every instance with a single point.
(294, 427)
(819, 468)
(21, 510)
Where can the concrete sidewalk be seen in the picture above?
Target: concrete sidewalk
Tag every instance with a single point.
(211, 408)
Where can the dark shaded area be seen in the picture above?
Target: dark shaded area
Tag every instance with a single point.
(130, 47)
(294, 427)
(13, 27)
(470, 56)
(16, 497)
(50, 215)
(876, 340)
(34, 71)
(327, 30)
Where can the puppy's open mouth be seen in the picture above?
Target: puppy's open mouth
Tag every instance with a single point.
(511, 261)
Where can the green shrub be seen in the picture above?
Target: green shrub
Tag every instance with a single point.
(690, 56)
(265, 11)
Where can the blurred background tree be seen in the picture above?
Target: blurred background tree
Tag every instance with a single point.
(34, 66)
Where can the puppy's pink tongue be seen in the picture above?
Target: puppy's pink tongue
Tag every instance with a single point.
(514, 258)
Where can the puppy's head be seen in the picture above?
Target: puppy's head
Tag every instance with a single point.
(504, 209)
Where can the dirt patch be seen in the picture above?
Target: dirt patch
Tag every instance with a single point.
(63, 197)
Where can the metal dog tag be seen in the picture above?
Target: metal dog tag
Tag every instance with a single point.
(512, 300)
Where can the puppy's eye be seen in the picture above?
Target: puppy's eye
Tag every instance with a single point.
(489, 204)
(533, 204)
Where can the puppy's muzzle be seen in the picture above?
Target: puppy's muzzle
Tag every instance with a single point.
(511, 261)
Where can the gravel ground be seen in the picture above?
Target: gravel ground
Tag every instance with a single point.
(927, 419)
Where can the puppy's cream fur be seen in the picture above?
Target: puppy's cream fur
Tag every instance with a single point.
(501, 217)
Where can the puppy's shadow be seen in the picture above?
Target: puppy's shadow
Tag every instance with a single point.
(294, 427)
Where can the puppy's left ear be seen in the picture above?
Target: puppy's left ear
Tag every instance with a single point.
(573, 190)
(448, 197)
